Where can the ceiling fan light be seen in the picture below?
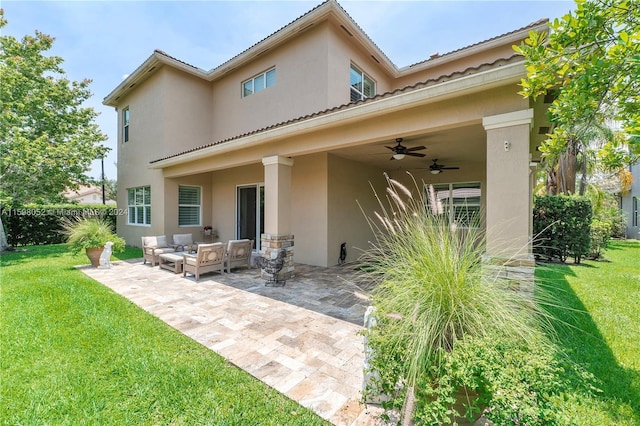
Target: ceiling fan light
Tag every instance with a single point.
(398, 156)
(435, 171)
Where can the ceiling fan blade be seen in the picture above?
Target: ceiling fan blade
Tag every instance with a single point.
(417, 148)
(392, 148)
(415, 154)
(449, 168)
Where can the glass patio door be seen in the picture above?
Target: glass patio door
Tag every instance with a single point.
(250, 212)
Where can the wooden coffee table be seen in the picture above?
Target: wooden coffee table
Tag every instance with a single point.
(171, 262)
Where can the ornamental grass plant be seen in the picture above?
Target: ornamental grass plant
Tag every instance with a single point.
(86, 233)
(440, 310)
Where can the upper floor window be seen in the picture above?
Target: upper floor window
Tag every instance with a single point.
(125, 124)
(458, 202)
(362, 86)
(189, 205)
(259, 82)
(139, 205)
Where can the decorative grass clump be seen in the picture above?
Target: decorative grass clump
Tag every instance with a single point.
(88, 233)
(439, 311)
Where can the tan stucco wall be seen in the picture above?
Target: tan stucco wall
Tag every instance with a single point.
(309, 208)
(351, 200)
(171, 205)
(145, 141)
(300, 88)
(342, 53)
(183, 125)
(186, 117)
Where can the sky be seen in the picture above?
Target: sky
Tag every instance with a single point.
(106, 40)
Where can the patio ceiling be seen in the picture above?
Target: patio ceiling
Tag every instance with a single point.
(453, 147)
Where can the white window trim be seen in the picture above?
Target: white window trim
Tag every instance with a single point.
(253, 82)
(126, 125)
(363, 75)
(451, 206)
(190, 205)
(138, 205)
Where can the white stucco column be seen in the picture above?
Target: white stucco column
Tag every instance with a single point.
(508, 188)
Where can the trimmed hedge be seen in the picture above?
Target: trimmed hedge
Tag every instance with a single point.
(561, 227)
(42, 224)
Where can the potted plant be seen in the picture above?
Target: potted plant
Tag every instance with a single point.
(91, 235)
(208, 230)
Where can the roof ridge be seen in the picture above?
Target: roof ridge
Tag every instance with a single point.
(212, 70)
(163, 53)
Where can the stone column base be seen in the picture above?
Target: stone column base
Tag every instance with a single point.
(518, 274)
(274, 243)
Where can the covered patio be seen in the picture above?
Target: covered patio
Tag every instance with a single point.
(302, 339)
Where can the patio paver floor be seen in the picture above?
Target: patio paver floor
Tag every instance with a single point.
(302, 339)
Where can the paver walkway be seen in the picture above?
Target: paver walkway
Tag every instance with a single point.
(302, 339)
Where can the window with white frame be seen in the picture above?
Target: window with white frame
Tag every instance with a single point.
(259, 82)
(459, 202)
(362, 86)
(125, 124)
(189, 205)
(139, 205)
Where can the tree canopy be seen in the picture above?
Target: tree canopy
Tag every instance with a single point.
(591, 60)
(48, 139)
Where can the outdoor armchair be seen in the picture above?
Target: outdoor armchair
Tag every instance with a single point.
(208, 258)
(183, 242)
(238, 253)
(152, 247)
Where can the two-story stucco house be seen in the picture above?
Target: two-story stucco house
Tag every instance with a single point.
(282, 140)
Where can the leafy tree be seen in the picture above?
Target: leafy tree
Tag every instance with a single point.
(110, 188)
(591, 59)
(48, 139)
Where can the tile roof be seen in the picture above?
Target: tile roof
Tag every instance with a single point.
(430, 82)
(441, 55)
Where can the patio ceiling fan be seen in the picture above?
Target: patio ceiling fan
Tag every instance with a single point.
(436, 168)
(400, 151)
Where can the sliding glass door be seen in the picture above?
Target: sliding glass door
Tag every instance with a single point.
(250, 212)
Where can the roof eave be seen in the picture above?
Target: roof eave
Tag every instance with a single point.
(144, 71)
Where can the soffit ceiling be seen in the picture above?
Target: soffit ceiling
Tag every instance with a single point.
(454, 147)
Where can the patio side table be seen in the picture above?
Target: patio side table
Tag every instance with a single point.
(171, 262)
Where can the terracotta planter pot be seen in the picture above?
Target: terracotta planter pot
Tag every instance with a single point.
(93, 254)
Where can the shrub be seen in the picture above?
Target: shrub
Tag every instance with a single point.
(43, 224)
(561, 225)
(600, 236)
(433, 296)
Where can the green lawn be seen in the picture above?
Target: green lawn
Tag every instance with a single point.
(73, 352)
(603, 333)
